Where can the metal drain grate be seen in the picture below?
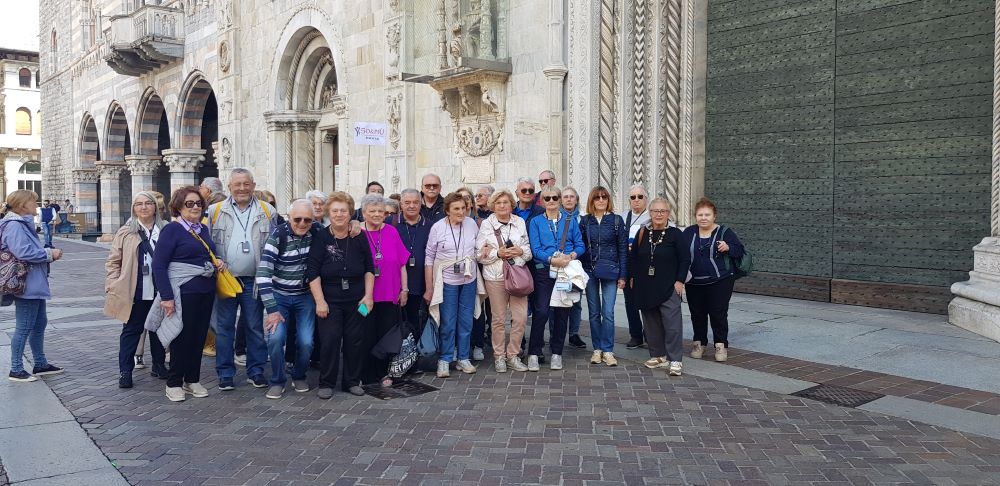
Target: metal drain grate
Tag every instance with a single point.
(838, 395)
(399, 389)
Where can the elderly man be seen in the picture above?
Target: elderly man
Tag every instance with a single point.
(432, 204)
(546, 178)
(635, 218)
(240, 226)
(526, 198)
(482, 201)
(373, 187)
(413, 229)
(284, 293)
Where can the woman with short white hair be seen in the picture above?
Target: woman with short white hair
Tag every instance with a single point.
(318, 200)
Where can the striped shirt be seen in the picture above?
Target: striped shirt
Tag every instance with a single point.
(284, 273)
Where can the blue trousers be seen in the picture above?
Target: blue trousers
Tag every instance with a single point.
(47, 231)
(456, 318)
(30, 320)
(302, 308)
(225, 331)
(601, 295)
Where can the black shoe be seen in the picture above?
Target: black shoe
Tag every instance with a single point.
(125, 380)
(22, 376)
(159, 371)
(634, 343)
(46, 370)
(257, 381)
(576, 342)
(226, 384)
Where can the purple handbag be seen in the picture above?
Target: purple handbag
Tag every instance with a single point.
(13, 272)
(517, 280)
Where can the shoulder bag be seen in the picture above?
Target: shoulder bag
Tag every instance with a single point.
(517, 280)
(743, 265)
(13, 271)
(226, 284)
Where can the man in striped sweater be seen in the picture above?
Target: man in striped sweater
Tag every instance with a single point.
(284, 292)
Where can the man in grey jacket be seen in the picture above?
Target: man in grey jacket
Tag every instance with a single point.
(240, 226)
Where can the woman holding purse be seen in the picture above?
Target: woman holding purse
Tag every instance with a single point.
(605, 238)
(503, 242)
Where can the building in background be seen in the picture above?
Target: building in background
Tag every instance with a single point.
(20, 119)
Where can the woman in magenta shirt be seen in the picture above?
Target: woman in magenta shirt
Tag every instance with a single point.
(390, 258)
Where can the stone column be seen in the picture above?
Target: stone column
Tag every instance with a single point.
(304, 169)
(111, 210)
(976, 305)
(142, 167)
(555, 73)
(183, 165)
(85, 190)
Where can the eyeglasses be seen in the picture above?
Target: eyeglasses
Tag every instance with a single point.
(141, 204)
(391, 213)
(302, 220)
(431, 186)
(528, 190)
(659, 211)
(637, 196)
(544, 181)
(601, 197)
(193, 204)
(550, 198)
(480, 195)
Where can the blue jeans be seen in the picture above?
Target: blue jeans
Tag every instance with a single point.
(601, 295)
(304, 309)
(225, 331)
(30, 320)
(575, 314)
(47, 232)
(456, 316)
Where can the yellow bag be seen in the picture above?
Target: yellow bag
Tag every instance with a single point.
(226, 285)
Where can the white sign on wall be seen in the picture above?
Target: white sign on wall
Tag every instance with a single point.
(366, 133)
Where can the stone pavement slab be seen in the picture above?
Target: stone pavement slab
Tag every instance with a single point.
(49, 450)
(950, 417)
(99, 477)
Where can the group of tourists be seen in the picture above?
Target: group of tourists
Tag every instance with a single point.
(331, 282)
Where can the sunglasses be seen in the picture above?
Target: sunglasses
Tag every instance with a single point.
(601, 197)
(550, 198)
(544, 181)
(193, 204)
(637, 196)
(431, 186)
(528, 190)
(302, 220)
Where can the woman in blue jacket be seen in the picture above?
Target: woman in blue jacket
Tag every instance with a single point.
(711, 283)
(555, 242)
(605, 260)
(17, 230)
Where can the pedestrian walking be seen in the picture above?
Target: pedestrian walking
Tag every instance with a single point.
(605, 260)
(17, 236)
(636, 217)
(129, 286)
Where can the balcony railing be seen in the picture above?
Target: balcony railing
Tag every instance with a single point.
(145, 39)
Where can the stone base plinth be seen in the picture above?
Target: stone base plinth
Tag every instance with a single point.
(980, 318)
(976, 305)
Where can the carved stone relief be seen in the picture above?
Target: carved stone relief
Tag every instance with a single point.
(394, 119)
(393, 37)
(225, 57)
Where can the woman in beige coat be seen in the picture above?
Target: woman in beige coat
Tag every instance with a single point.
(129, 285)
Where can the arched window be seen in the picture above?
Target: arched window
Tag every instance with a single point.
(22, 122)
(31, 167)
(24, 76)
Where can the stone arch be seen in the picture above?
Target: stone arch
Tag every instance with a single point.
(89, 144)
(152, 122)
(196, 95)
(117, 139)
(304, 27)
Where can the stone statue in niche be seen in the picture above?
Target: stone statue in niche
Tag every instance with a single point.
(394, 119)
(393, 37)
(225, 151)
(329, 92)
(489, 103)
(455, 46)
(394, 6)
(465, 107)
(225, 59)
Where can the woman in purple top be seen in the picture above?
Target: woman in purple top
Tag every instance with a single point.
(390, 258)
(450, 271)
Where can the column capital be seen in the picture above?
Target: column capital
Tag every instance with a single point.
(110, 170)
(184, 160)
(85, 176)
(143, 164)
(285, 120)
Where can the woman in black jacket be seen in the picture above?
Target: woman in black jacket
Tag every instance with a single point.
(658, 266)
(605, 260)
(711, 246)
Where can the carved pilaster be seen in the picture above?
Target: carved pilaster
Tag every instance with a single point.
(608, 74)
(669, 105)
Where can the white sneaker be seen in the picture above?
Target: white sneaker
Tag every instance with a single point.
(465, 366)
(596, 357)
(175, 394)
(533, 363)
(720, 352)
(556, 363)
(698, 350)
(501, 365)
(240, 360)
(477, 354)
(195, 390)
(675, 368)
(443, 369)
(609, 359)
(139, 364)
(516, 364)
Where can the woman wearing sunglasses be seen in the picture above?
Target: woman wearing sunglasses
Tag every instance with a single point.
(184, 275)
(606, 240)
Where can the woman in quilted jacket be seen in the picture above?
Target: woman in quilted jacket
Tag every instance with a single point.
(605, 239)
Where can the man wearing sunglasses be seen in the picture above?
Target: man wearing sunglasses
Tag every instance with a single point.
(285, 294)
(527, 200)
(636, 217)
(432, 204)
(546, 178)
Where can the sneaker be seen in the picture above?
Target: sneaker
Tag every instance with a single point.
(159, 371)
(516, 364)
(698, 350)
(576, 342)
(325, 393)
(443, 369)
(653, 363)
(275, 392)
(208, 351)
(720, 353)
(634, 343)
(556, 362)
(195, 389)
(138, 362)
(609, 359)
(675, 368)
(300, 386)
(465, 366)
(257, 381)
(477, 354)
(240, 360)
(22, 376)
(175, 394)
(226, 384)
(501, 365)
(46, 370)
(125, 380)
(356, 390)
(533, 363)
(596, 357)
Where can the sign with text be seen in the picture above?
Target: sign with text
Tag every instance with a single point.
(366, 133)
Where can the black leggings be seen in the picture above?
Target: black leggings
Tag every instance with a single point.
(186, 348)
(710, 301)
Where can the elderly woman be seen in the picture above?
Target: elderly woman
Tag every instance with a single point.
(658, 264)
(450, 273)
(318, 200)
(503, 239)
(184, 275)
(635, 218)
(570, 200)
(712, 278)
(555, 242)
(341, 279)
(479, 331)
(391, 209)
(390, 258)
(129, 285)
(606, 262)
(17, 233)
